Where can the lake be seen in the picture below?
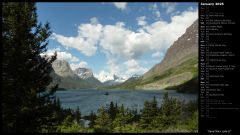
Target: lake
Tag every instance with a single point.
(91, 99)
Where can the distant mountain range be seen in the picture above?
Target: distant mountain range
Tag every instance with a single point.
(116, 80)
(66, 78)
(178, 70)
(179, 67)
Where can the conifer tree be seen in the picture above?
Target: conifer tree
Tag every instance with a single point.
(78, 115)
(149, 113)
(103, 122)
(112, 110)
(25, 74)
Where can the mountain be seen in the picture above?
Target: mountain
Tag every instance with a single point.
(183, 49)
(63, 69)
(63, 75)
(87, 75)
(83, 73)
(179, 66)
(116, 80)
(127, 84)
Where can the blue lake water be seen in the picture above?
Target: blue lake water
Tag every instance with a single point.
(91, 99)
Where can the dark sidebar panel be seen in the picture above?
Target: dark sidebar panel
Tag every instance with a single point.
(219, 67)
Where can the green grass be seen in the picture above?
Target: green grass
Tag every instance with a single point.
(190, 86)
(188, 66)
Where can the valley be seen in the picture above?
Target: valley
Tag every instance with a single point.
(177, 70)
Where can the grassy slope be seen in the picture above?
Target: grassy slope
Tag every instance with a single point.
(190, 86)
(189, 65)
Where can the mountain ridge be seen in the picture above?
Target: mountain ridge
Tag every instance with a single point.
(66, 78)
(179, 65)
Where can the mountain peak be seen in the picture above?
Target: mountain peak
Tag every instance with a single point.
(83, 73)
(62, 68)
(183, 48)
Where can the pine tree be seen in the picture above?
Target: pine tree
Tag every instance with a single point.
(92, 118)
(112, 110)
(146, 117)
(103, 122)
(25, 74)
(154, 106)
(78, 115)
(149, 113)
(121, 120)
(170, 111)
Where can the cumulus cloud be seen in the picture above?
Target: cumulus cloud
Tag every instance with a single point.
(155, 10)
(133, 67)
(164, 33)
(157, 13)
(94, 20)
(170, 6)
(156, 36)
(141, 20)
(124, 45)
(130, 45)
(157, 55)
(153, 6)
(113, 66)
(120, 5)
(61, 55)
(85, 42)
(104, 76)
(82, 64)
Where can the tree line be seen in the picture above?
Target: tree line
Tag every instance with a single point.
(29, 105)
(173, 115)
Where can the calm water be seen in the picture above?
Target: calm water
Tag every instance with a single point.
(92, 99)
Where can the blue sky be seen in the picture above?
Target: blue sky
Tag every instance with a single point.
(115, 38)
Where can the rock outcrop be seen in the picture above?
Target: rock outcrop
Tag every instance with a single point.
(63, 75)
(179, 65)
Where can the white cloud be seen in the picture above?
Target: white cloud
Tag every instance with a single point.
(157, 13)
(104, 76)
(122, 45)
(120, 24)
(85, 42)
(153, 6)
(61, 55)
(155, 10)
(113, 66)
(157, 55)
(133, 67)
(120, 5)
(141, 20)
(82, 64)
(164, 33)
(170, 6)
(156, 36)
(129, 46)
(94, 20)
(126, 43)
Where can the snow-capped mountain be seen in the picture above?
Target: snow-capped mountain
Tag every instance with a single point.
(83, 73)
(114, 80)
(135, 76)
(118, 79)
(87, 75)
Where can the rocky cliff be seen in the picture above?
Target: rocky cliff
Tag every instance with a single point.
(179, 65)
(63, 75)
(184, 48)
(83, 73)
(87, 75)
